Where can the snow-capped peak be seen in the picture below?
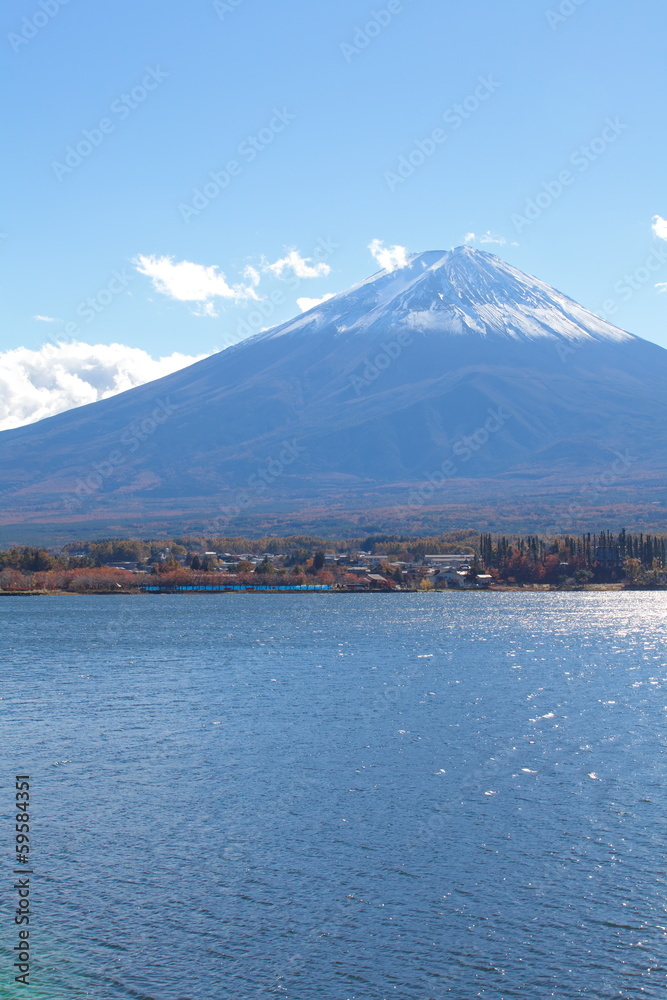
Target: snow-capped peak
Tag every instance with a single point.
(454, 293)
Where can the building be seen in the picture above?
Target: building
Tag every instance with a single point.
(459, 578)
(458, 559)
(450, 575)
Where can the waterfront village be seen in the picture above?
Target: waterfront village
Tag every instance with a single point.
(351, 571)
(458, 561)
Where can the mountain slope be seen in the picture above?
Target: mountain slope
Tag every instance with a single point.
(376, 391)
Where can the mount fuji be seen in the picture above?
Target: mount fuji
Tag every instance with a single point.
(453, 391)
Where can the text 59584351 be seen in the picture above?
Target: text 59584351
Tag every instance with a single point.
(22, 884)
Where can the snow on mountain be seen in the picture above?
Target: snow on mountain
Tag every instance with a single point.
(458, 292)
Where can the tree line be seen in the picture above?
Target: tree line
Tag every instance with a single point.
(602, 557)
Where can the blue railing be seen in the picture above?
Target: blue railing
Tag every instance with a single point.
(205, 588)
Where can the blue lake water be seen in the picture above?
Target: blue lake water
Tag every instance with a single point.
(340, 796)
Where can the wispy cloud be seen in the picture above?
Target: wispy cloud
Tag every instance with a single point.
(45, 319)
(389, 258)
(662, 286)
(40, 383)
(488, 237)
(301, 267)
(252, 275)
(659, 227)
(186, 281)
(305, 304)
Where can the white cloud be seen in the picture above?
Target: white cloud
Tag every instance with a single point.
(659, 227)
(389, 258)
(662, 286)
(306, 304)
(488, 237)
(189, 282)
(301, 267)
(252, 275)
(40, 383)
(45, 319)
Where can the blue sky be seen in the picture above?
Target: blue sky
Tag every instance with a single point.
(315, 115)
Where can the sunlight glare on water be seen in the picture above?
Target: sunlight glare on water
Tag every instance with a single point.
(360, 796)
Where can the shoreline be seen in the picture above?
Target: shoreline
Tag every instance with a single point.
(500, 589)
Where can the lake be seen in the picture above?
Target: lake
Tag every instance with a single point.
(339, 796)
